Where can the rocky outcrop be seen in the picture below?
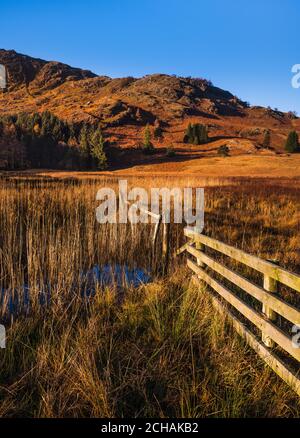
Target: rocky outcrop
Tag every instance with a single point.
(23, 70)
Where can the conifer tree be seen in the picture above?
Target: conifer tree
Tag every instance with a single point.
(84, 146)
(58, 130)
(267, 139)
(188, 136)
(196, 134)
(47, 124)
(204, 136)
(97, 149)
(292, 142)
(84, 139)
(147, 144)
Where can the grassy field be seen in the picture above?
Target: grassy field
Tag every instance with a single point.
(189, 163)
(157, 350)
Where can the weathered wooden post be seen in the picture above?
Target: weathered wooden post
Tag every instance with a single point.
(154, 243)
(270, 285)
(166, 247)
(200, 247)
(155, 234)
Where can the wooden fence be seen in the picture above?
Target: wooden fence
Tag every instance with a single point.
(229, 302)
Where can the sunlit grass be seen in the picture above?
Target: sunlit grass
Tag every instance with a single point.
(158, 350)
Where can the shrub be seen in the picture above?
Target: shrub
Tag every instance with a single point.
(170, 152)
(223, 151)
(157, 133)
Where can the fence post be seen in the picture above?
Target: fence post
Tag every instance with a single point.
(154, 241)
(200, 247)
(270, 285)
(166, 246)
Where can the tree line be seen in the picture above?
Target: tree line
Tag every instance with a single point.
(42, 140)
(45, 141)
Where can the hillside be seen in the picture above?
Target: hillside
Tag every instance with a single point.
(124, 106)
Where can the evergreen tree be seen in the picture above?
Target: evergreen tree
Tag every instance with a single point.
(45, 142)
(196, 134)
(97, 149)
(147, 136)
(47, 124)
(188, 136)
(267, 139)
(84, 145)
(34, 147)
(196, 139)
(58, 130)
(72, 131)
(147, 144)
(292, 142)
(36, 119)
(204, 135)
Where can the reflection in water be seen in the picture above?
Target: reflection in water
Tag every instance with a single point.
(118, 276)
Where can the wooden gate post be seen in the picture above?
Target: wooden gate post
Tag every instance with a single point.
(270, 285)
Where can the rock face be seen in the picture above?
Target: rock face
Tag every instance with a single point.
(181, 96)
(24, 70)
(53, 74)
(125, 104)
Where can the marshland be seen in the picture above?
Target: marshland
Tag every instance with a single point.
(81, 347)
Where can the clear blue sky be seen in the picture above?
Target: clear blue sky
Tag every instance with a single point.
(245, 46)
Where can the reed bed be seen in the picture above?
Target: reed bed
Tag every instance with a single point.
(156, 350)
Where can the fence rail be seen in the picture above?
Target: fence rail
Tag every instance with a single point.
(227, 300)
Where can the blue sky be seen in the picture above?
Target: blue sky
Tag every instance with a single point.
(247, 47)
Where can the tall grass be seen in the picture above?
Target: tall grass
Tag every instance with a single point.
(158, 350)
(164, 352)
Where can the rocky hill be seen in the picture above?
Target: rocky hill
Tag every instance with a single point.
(123, 106)
(25, 71)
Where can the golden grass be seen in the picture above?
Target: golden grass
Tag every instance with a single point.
(159, 350)
(249, 166)
(164, 352)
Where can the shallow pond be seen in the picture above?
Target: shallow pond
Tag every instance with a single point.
(117, 276)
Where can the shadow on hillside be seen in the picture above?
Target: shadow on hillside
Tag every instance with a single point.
(134, 157)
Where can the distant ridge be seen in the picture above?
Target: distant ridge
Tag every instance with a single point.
(125, 105)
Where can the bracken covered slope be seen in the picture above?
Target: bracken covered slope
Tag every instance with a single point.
(124, 106)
